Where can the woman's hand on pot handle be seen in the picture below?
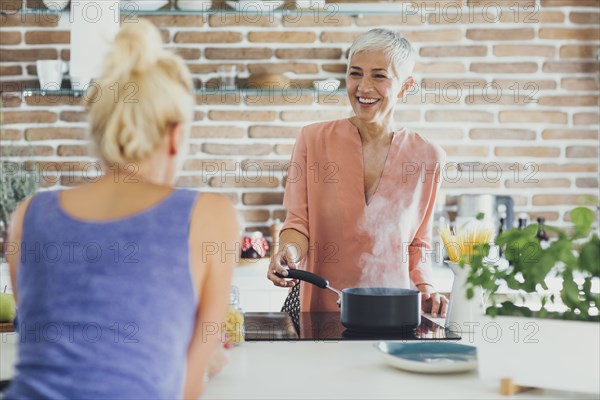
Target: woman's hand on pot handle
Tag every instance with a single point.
(280, 262)
(433, 302)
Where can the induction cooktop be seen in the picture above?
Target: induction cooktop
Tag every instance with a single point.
(324, 326)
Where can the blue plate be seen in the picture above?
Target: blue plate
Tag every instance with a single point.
(429, 357)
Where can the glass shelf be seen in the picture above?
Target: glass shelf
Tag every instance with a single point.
(330, 10)
(241, 91)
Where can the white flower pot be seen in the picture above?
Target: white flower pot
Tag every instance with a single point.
(463, 314)
(540, 353)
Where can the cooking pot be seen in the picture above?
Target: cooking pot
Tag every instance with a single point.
(371, 309)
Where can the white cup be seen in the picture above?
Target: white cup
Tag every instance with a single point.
(50, 73)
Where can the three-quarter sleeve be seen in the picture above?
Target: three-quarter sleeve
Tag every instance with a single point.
(295, 199)
(421, 249)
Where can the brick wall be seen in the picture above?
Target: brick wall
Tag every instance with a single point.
(508, 87)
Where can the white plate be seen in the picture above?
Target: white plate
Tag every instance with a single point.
(255, 5)
(142, 5)
(429, 357)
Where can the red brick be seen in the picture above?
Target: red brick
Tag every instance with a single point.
(256, 149)
(73, 116)
(11, 134)
(571, 67)
(399, 20)
(176, 20)
(450, 35)
(289, 97)
(213, 131)
(501, 34)
(524, 51)
(10, 38)
(584, 17)
(527, 87)
(539, 183)
(567, 168)
(569, 34)
(578, 51)
(21, 117)
(466, 151)
(212, 166)
(53, 100)
(74, 150)
(282, 37)
(20, 55)
(568, 101)
(280, 68)
(187, 53)
(11, 101)
(552, 117)
(569, 3)
(273, 131)
(335, 68)
(504, 68)
(502, 134)
(26, 151)
(458, 115)
(222, 20)
(582, 152)
(36, 20)
(251, 115)
(263, 198)
(439, 67)
(453, 51)
(54, 133)
(267, 167)
(227, 53)
(244, 181)
(304, 53)
(6, 70)
(532, 152)
(587, 182)
(561, 134)
(326, 18)
(559, 199)
(581, 84)
(48, 37)
(586, 118)
(208, 37)
(313, 115)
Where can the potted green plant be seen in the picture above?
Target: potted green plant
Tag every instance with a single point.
(552, 342)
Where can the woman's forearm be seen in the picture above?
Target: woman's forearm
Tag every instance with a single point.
(295, 241)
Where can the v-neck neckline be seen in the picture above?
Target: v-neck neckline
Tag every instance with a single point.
(362, 165)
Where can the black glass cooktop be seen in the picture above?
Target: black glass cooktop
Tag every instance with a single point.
(327, 327)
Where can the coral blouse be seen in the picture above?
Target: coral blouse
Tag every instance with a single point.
(386, 243)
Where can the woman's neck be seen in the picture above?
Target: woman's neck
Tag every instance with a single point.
(374, 131)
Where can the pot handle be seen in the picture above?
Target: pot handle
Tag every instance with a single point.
(305, 276)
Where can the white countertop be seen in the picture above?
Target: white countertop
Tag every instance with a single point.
(342, 370)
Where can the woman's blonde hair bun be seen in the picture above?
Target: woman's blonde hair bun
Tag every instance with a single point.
(143, 92)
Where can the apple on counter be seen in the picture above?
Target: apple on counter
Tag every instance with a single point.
(7, 307)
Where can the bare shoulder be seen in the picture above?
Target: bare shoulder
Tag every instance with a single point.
(214, 214)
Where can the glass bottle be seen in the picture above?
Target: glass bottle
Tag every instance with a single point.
(234, 330)
(542, 235)
(501, 230)
(522, 221)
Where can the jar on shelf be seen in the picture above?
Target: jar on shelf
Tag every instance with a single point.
(233, 329)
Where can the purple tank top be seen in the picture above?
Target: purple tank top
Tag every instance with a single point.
(105, 309)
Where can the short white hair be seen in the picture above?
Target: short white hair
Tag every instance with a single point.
(393, 44)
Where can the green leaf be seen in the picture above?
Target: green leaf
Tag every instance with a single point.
(582, 218)
(589, 256)
(480, 216)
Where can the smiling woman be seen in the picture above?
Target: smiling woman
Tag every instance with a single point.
(359, 209)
